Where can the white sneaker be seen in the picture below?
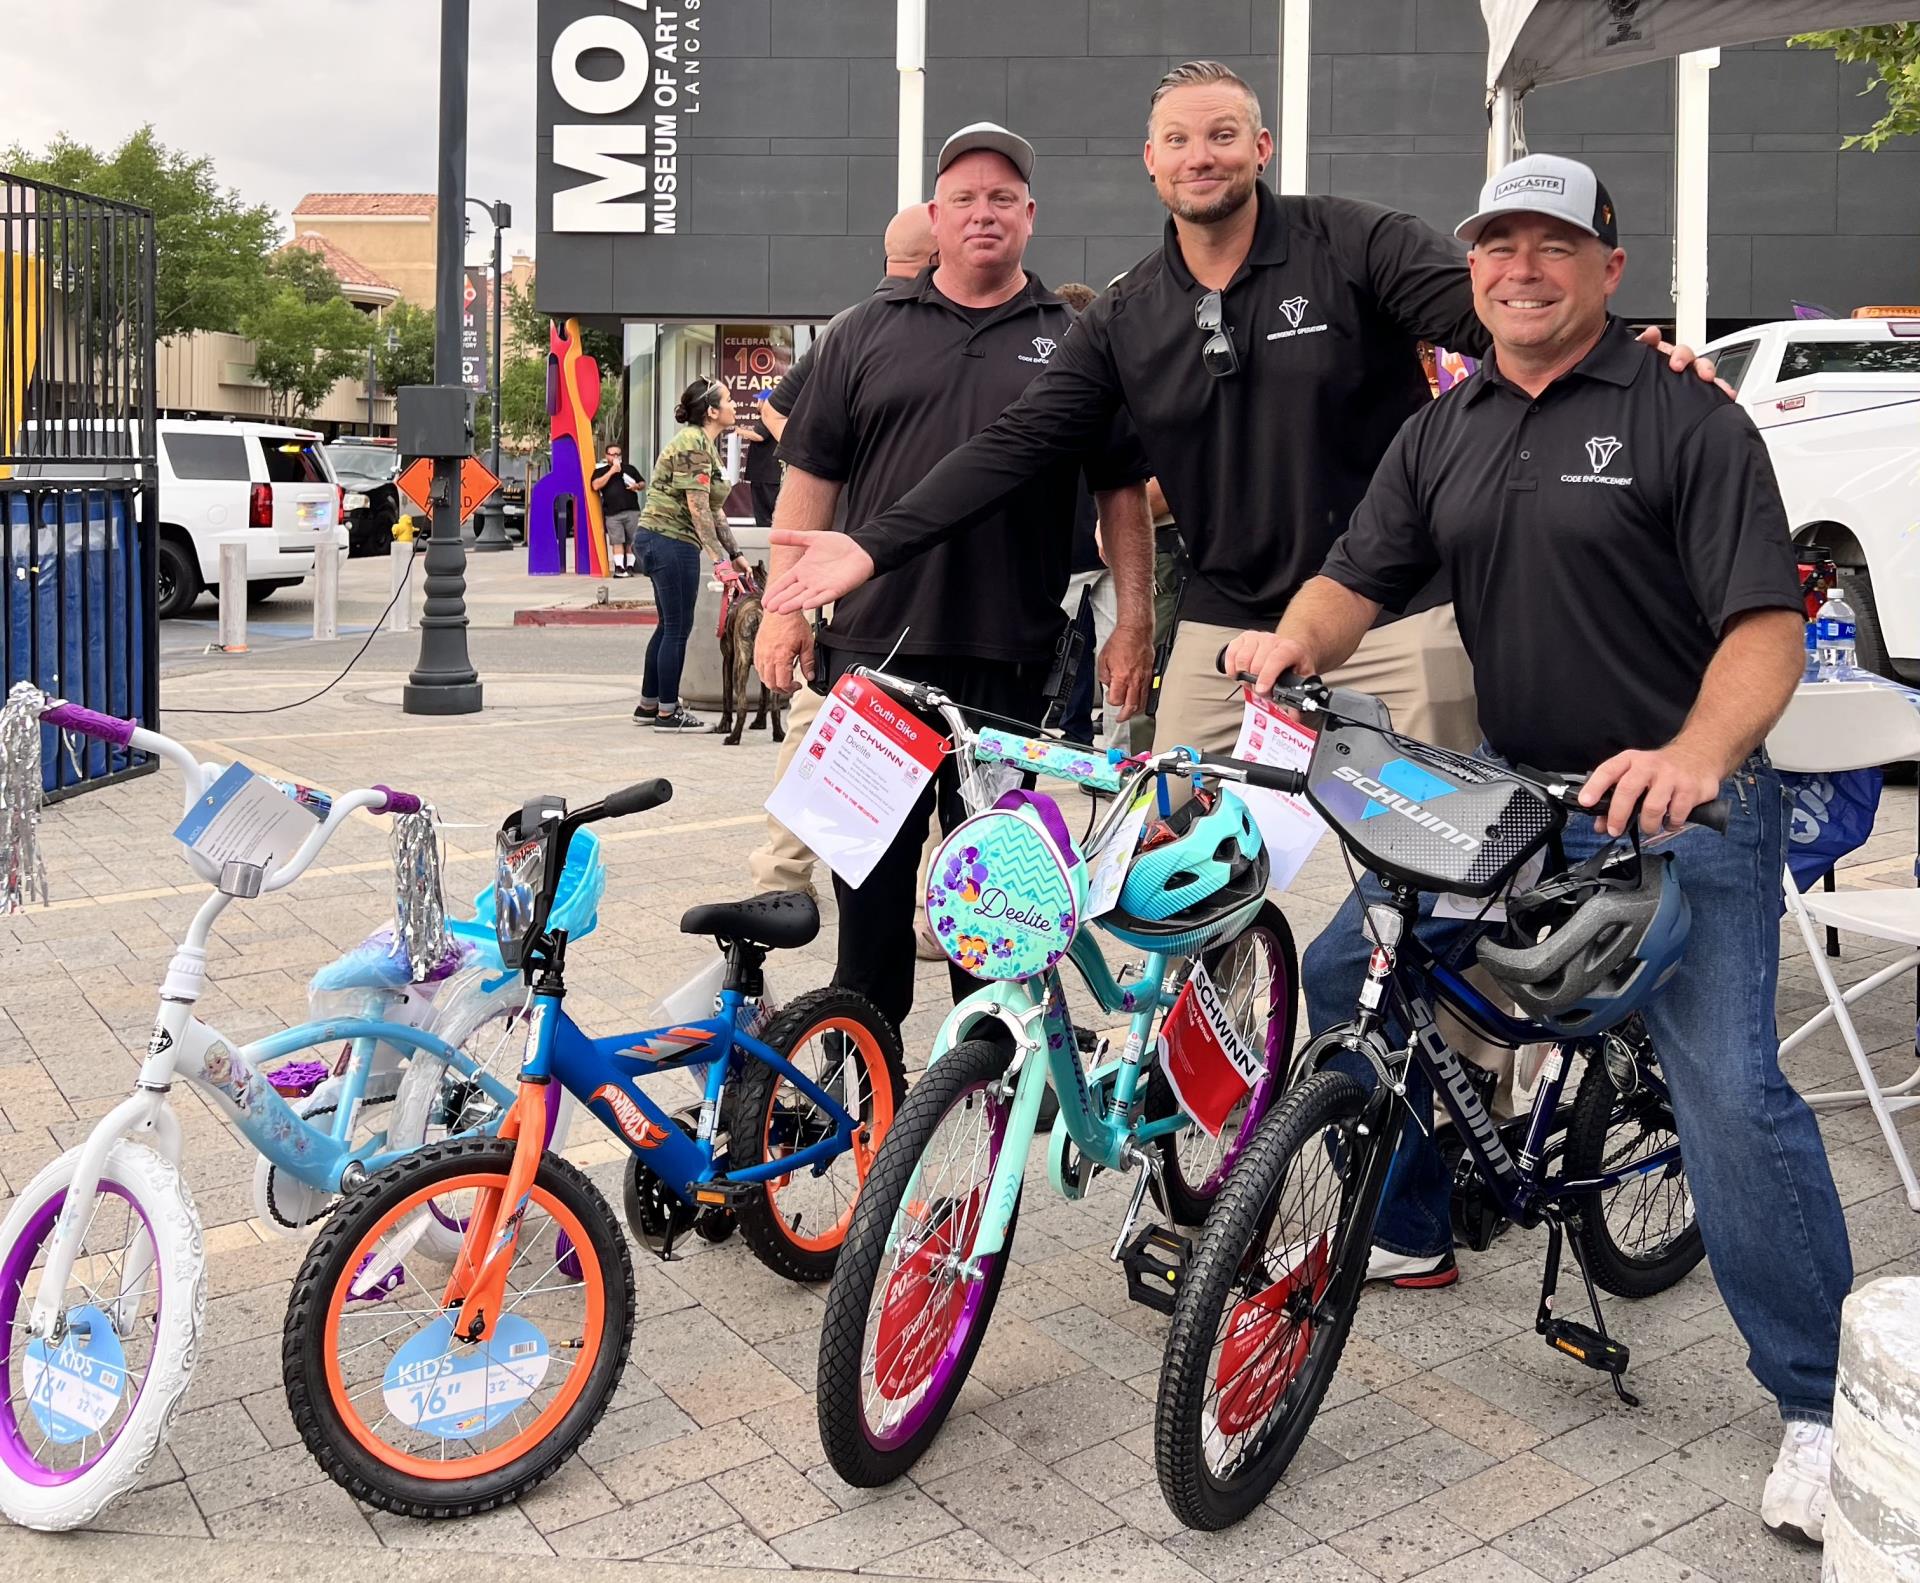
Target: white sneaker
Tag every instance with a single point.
(1412, 1270)
(1795, 1500)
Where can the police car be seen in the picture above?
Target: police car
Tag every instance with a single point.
(1838, 401)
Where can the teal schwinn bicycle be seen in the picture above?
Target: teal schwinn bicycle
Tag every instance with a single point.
(1010, 899)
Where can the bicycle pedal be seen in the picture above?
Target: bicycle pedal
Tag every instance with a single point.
(1154, 1262)
(724, 1194)
(1586, 1345)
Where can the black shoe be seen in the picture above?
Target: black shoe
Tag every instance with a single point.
(643, 716)
(680, 718)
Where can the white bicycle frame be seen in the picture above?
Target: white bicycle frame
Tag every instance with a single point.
(180, 1043)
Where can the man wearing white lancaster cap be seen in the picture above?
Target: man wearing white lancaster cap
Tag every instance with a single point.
(1626, 590)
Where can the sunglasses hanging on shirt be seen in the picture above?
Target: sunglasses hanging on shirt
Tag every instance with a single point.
(1218, 354)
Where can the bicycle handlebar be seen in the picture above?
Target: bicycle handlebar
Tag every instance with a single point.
(90, 722)
(396, 801)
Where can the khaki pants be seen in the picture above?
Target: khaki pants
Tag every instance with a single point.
(1417, 665)
(783, 861)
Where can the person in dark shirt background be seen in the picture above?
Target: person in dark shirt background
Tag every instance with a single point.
(619, 488)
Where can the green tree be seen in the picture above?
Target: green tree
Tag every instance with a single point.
(1893, 51)
(411, 361)
(210, 246)
(304, 340)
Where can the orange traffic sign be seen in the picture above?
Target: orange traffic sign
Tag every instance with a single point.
(477, 481)
(416, 483)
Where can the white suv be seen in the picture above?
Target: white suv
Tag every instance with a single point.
(1838, 402)
(265, 482)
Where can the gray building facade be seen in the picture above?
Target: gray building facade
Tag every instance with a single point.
(778, 185)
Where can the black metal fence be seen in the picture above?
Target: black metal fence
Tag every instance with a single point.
(78, 465)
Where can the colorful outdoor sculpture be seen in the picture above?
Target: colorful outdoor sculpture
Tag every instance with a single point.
(573, 398)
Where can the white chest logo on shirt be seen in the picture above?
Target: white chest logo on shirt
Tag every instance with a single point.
(1042, 344)
(1295, 309)
(1601, 450)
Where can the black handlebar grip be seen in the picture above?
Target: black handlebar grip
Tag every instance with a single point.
(1268, 777)
(1713, 815)
(638, 798)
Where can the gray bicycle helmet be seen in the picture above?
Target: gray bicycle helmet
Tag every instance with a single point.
(1586, 949)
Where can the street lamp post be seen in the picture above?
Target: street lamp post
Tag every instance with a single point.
(443, 681)
(393, 345)
(493, 528)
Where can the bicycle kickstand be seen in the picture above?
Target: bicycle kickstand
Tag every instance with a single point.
(1588, 1344)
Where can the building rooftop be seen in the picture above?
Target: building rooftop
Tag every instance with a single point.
(342, 205)
(354, 275)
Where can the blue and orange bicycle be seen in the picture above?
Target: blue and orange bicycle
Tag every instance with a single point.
(450, 1405)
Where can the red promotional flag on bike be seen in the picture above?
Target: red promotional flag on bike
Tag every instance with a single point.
(1207, 1060)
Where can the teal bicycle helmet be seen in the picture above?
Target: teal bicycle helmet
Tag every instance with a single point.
(1195, 873)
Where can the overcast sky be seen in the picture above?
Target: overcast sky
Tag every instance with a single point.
(287, 98)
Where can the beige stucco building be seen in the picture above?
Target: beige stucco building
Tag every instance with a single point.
(391, 233)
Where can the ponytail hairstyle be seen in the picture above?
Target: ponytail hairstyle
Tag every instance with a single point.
(697, 400)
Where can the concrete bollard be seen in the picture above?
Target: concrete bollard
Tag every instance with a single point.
(326, 593)
(1873, 1524)
(233, 597)
(399, 565)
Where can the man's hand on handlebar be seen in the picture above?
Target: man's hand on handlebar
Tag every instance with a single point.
(1673, 780)
(1267, 656)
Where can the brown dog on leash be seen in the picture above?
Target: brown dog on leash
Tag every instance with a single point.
(737, 632)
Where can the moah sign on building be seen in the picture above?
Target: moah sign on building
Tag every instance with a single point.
(630, 75)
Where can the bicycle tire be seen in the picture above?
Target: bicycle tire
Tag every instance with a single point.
(154, 1188)
(313, 1387)
(1187, 1200)
(1616, 1267)
(1304, 1364)
(968, 1070)
(772, 1229)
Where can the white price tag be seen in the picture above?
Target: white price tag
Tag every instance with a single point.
(1107, 866)
(866, 761)
(1288, 825)
(244, 818)
(1208, 1062)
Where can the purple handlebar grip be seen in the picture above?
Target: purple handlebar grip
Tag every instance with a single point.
(398, 801)
(90, 722)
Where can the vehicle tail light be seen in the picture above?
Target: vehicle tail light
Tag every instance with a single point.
(260, 506)
(340, 507)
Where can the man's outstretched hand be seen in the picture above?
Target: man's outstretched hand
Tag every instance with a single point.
(830, 566)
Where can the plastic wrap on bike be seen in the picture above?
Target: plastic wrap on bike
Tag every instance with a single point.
(1418, 813)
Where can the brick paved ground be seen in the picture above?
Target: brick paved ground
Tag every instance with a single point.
(1454, 1446)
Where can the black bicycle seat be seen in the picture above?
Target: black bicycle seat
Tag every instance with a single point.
(780, 920)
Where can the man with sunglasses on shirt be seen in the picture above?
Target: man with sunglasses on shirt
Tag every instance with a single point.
(1267, 356)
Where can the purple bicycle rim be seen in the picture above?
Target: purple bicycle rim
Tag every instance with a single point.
(1261, 1099)
(13, 1447)
(949, 1361)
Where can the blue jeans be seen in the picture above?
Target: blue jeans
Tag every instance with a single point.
(673, 567)
(1775, 1236)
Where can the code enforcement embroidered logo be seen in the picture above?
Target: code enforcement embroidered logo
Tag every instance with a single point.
(1601, 449)
(1295, 308)
(1044, 345)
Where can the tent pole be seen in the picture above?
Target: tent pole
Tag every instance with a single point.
(911, 57)
(1295, 88)
(1691, 92)
(1500, 131)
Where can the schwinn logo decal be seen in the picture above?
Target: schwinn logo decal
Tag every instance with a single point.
(1387, 797)
(1601, 450)
(160, 1043)
(1295, 309)
(1485, 1135)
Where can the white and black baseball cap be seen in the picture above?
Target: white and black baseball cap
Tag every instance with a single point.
(993, 137)
(1545, 184)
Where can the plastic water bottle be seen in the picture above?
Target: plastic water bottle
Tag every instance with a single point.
(1836, 641)
(1811, 672)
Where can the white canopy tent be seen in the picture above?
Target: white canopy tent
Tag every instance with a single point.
(1531, 42)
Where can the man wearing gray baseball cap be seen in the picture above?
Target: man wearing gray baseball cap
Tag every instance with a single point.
(1626, 589)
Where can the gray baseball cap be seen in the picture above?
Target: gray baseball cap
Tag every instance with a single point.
(1545, 184)
(993, 137)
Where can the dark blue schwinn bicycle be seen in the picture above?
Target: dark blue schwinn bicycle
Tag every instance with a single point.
(1269, 1292)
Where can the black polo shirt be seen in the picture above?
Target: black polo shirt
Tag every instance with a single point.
(1263, 468)
(907, 378)
(786, 394)
(1599, 539)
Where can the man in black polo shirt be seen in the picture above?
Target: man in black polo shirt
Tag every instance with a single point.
(905, 378)
(1627, 590)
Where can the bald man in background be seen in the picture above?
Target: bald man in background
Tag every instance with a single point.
(783, 861)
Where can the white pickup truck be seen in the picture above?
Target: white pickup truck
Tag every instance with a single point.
(1838, 401)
